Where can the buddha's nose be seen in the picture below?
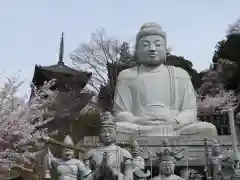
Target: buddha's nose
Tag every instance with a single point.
(152, 48)
(107, 134)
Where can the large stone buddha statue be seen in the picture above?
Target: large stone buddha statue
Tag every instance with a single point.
(153, 94)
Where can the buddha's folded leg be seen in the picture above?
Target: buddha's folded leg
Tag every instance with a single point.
(151, 130)
(127, 127)
(200, 129)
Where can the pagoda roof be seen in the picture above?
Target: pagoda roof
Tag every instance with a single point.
(61, 68)
(46, 73)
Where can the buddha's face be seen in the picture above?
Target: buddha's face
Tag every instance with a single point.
(67, 154)
(167, 167)
(151, 50)
(107, 135)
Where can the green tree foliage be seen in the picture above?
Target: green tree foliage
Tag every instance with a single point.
(218, 49)
(228, 48)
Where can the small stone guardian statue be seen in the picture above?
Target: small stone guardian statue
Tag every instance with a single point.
(67, 168)
(109, 161)
(195, 175)
(167, 162)
(236, 152)
(140, 172)
(215, 162)
(236, 171)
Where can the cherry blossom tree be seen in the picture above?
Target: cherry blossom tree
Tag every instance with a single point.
(95, 55)
(221, 101)
(213, 95)
(20, 121)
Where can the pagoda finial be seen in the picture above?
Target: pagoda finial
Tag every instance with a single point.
(61, 50)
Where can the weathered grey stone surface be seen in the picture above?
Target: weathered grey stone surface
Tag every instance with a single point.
(153, 94)
(167, 159)
(66, 167)
(108, 160)
(194, 147)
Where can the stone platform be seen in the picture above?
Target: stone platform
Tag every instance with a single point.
(193, 147)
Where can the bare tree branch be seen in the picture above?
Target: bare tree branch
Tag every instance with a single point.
(95, 56)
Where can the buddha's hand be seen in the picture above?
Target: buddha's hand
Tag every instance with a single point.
(110, 172)
(106, 170)
(150, 121)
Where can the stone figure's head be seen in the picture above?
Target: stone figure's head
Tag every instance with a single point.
(167, 162)
(108, 127)
(151, 47)
(216, 148)
(67, 154)
(135, 149)
(195, 175)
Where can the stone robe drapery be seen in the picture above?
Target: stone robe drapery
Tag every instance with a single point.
(172, 177)
(165, 91)
(116, 157)
(72, 169)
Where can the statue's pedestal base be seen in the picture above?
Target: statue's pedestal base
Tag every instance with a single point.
(193, 146)
(194, 151)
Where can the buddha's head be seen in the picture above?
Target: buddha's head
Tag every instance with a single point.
(67, 153)
(151, 45)
(108, 127)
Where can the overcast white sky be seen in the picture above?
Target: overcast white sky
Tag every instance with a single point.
(30, 30)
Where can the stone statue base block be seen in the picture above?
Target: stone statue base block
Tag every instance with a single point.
(193, 147)
(134, 129)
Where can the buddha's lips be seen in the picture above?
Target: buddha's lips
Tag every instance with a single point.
(152, 55)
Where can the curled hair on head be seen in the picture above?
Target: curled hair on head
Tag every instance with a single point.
(150, 29)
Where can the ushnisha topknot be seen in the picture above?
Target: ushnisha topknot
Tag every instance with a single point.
(107, 120)
(150, 28)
